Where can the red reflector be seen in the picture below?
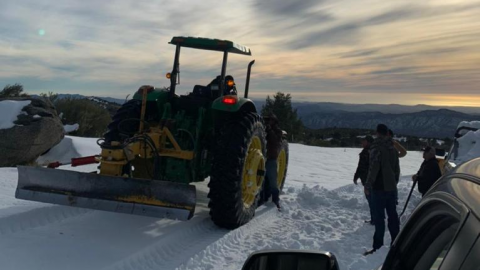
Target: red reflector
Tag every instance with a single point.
(229, 100)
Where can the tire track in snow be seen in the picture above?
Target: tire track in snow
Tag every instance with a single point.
(313, 218)
(263, 224)
(184, 241)
(31, 217)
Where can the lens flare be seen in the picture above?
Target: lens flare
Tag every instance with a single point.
(41, 32)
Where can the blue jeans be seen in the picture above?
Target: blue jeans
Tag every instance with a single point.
(370, 205)
(384, 201)
(271, 167)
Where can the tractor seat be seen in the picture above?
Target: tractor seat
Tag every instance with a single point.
(191, 103)
(201, 91)
(210, 91)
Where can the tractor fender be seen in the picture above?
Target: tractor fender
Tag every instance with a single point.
(155, 94)
(241, 104)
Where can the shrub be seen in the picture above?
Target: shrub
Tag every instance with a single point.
(15, 90)
(92, 118)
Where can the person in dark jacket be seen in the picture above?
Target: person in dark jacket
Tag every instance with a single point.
(383, 176)
(429, 171)
(362, 171)
(274, 146)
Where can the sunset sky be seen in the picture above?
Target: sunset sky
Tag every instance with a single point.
(350, 51)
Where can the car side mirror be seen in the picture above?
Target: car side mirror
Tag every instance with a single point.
(291, 260)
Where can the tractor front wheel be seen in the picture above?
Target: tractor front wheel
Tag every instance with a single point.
(238, 170)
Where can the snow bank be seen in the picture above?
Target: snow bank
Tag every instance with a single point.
(71, 128)
(9, 110)
(468, 147)
(313, 218)
(70, 147)
(471, 124)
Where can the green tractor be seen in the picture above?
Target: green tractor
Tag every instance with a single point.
(159, 143)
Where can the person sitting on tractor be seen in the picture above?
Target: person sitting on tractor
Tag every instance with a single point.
(230, 86)
(274, 146)
(212, 90)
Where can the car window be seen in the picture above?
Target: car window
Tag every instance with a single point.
(433, 256)
(427, 238)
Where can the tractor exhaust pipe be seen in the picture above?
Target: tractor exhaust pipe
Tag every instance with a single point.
(247, 84)
(175, 77)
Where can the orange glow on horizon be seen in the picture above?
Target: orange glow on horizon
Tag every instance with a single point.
(382, 98)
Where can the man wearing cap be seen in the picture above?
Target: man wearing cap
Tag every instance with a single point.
(382, 179)
(429, 171)
(362, 171)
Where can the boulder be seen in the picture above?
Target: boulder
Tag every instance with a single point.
(37, 129)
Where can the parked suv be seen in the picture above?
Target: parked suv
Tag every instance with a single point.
(442, 233)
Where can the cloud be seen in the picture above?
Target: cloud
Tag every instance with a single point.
(286, 19)
(358, 53)
(350, 32)
(343, 34)
(396, 70)
(318, 47)
(286, 7)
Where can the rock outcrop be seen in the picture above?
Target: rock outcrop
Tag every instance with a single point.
(37, 129)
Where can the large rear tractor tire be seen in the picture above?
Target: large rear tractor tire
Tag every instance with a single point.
(126, 121)
(238, 169)
(129, 110)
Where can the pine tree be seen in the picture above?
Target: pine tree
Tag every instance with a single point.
(281, 106)
(15, 90)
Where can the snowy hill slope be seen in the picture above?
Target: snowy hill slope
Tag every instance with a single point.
(323, 211)
(432, 124)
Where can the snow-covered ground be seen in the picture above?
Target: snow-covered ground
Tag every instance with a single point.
(323, 210)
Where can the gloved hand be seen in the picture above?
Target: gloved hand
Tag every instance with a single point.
(355, 180)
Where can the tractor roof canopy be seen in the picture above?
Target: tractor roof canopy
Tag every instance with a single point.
(211, 44)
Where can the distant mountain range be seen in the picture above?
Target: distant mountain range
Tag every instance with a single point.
(440, 123)
(418, 120)
(305, 108)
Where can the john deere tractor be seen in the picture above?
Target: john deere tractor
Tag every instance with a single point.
(159, 143)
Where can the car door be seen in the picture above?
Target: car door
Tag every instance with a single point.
(429, 239)
(473, 260)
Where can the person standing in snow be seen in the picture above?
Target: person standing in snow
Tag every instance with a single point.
(382, 179)
(274, 146)
(401, 150)
(429, 171)
(362, 171)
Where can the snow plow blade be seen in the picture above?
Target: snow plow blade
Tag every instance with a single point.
(152, 198)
